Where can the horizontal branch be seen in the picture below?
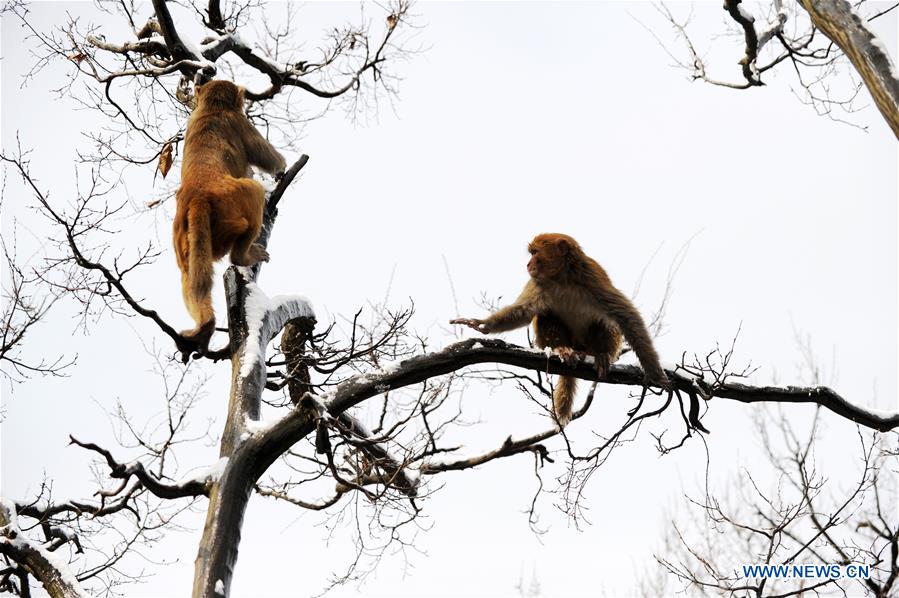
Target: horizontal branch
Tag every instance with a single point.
(281, 436)
(820, 395)
(261, 491)
(123, 471)
(490, 350)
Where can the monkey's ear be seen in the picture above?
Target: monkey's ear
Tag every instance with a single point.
(563, 246)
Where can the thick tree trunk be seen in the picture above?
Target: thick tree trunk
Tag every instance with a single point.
(844, 26)
(230, 494)
(253, 320)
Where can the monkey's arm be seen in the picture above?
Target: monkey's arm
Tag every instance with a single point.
(519, 314)
(631, 323)
(260, 152)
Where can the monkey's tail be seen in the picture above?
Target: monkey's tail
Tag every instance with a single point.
(563, 398)
(198, 283)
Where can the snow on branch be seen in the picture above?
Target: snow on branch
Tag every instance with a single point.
(736, 11)
(352, 52)
(265, 319)
(46, 566)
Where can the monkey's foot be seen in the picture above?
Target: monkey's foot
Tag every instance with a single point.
(199, 336)
(254, 254)
(257, 253)
(568, 355)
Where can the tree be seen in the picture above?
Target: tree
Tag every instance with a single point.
(815, 37)
(804, 517)
(317, 444)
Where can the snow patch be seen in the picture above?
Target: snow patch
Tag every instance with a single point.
(259, 426)
(256, 306)
(304, 304)
(745, 14)
(219, 587)
(23, 543)
(205, 475)
(10, 508)
(195, 50)
(875, 41)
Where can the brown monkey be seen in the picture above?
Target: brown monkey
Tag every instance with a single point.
(220, 206)
(575, 310)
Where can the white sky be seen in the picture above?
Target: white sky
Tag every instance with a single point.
(519, 118)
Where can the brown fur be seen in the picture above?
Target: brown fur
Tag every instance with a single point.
(574, 309)
(220, 206)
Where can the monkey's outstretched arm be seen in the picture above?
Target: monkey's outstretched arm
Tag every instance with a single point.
(631, 323)
(510, 317)
(260, 152)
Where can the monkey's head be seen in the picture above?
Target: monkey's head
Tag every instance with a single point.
(551, 256)
(220, 94)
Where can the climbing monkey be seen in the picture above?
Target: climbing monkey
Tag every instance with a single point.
(219, 205)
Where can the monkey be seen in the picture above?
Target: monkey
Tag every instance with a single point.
(219, 206)
(575, 310)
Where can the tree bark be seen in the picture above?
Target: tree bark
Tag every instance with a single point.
(58, 581)
(844, 26)
(229, 495)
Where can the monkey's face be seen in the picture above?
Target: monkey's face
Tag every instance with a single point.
(551, 254)
(547, 261)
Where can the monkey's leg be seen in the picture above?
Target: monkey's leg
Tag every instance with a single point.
(604, 344)
(550, 331)
(245, 252)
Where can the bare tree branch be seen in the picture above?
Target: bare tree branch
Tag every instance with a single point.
(46, 567)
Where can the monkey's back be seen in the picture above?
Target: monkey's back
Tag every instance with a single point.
(213, 142)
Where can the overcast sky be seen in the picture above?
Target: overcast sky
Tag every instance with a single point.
(518, 118)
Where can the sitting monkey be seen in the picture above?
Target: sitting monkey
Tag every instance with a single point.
(574, 309)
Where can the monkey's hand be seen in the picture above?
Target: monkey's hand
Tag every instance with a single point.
(279, 175)
(658, 379)
(478, 325)
(258, 253)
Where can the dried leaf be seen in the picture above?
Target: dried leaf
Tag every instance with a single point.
(165, 159)
(391, 21)
(76, 58)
